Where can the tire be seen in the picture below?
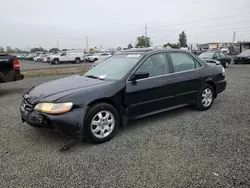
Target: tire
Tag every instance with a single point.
(95, 59)
(92, 121)
(56, 61)
(226, 64)
(77, 61)
(204, 91)
(236, 63)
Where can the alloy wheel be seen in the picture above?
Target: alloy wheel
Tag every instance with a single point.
(207, 97)
(102, 124)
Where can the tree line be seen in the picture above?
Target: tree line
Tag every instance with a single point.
(143, 41)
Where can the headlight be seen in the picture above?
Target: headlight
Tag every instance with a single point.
(54, 108)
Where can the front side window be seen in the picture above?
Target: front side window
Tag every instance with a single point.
(182, 61)
(155, 65)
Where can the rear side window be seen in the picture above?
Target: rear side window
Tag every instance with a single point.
(183, 61)
(222, 55)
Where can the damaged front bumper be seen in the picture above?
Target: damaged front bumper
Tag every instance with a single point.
(70, 123)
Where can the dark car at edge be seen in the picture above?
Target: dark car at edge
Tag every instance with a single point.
(216, 55)
(243, 57)
(9, 68)
(129, 85)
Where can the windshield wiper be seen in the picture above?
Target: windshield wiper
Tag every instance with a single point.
(92, 76)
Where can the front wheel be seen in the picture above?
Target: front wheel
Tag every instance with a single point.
(205, 97)
(101, 123)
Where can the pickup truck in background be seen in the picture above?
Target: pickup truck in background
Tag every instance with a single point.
(69, 56)
(9, 69)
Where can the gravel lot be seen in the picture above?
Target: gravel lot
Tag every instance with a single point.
(181, 148)
(31, 65)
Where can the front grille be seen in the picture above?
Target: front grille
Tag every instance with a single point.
(27, 107)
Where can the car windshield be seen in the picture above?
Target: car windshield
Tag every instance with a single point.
(115, 67)
(207, 55)
(246, 52)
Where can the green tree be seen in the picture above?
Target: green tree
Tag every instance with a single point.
(183, 39)
(54, 50)
(142, 41)
(130, 46)
(172, 45)
(40, 49)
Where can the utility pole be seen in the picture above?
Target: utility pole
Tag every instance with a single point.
(234, 36)
(87, 44)
(146, 33)
(57, 44)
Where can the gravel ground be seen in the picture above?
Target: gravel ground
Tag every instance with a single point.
(31, 65)
(180, 148)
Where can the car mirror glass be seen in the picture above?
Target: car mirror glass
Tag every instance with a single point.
(139, 75)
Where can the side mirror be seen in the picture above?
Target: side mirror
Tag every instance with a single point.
(139, 75)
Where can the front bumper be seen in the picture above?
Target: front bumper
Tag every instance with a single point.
(242, 60)
(221, 86)
(70, 123)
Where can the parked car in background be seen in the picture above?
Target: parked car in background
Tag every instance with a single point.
(95, 57)
(21, 56)
(86, 56)
(243, 57)
(224, 59)
(225, 50)
(9, 68)
(129, 85)
(100, 60)
(196, 52)
(67, 56)
(30, 57)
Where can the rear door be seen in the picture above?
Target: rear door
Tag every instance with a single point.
(152, 93)
(187, 79)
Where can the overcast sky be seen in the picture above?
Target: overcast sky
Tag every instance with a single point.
(113, 23)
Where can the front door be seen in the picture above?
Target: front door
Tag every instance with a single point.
(152, 93)
(187, 79)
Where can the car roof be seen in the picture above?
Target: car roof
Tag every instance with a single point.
(149, 51)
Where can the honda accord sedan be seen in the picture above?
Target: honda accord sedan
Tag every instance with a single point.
(129, 85)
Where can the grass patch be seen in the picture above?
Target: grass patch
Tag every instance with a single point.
(51, 72)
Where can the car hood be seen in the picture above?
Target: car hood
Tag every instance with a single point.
(57, 89)
(242, 55)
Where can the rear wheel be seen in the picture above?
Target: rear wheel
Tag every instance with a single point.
(205, 97)
(101, 123)
(77, 60)
(226, 64)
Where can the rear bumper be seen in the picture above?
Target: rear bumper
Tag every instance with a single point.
(221, 86)
(11, 76)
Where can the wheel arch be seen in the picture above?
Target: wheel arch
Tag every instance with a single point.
(119, 108)
(211, 82)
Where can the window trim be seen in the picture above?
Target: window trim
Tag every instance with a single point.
(194, 59)
(137, 67)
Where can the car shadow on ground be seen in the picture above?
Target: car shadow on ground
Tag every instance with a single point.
(64, 143)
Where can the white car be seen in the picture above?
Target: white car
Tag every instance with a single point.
(225, 50)
(95, 57)
(37, 58)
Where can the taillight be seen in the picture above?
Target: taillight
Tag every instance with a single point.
(16, 65)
